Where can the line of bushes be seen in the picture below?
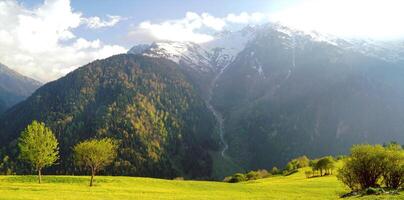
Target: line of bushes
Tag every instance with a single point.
(252, 175)
(290, 168)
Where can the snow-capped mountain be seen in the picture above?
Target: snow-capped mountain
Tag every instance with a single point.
(215, 55)
(390, 51)
(188, 53)
(211, 56)
(291, 91)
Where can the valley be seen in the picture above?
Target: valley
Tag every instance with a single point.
(225, 103)
(216, 113)
(226, 100)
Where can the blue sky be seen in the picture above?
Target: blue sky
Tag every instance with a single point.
(137, 11)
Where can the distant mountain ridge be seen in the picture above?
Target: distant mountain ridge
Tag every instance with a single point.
(14, 87)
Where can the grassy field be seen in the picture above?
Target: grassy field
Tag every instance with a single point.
(295, 186)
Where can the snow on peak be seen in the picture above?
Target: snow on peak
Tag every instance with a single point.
(390, 51)
(231, 42)
(210, 56)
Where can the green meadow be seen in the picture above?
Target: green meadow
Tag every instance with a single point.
(295, 186)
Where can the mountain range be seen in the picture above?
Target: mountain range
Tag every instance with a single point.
(283, 92)
(14, 87)
(248, 99)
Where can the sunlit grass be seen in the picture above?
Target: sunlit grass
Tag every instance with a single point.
(296, 186)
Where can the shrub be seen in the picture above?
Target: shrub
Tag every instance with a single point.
(227, 179)
(373, 191)
(252, 175)
(302, 161)
(393, 175)
(238, 177)
(364, 167)
(7, 167)
(349, 178)
(263, 173)
(275, 171)
(290, 166)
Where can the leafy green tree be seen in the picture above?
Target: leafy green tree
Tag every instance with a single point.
(393, 174)
(95, 154)
(349, 178)
(302, 161)
(38, 146)
(297, 163)
(313, 165)
(365, 165)
(290, 166)
(326, 164)
(393, 146)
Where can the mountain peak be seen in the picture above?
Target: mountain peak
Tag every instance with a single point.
(206, 57)
(14, 87)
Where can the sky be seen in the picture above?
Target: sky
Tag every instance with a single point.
(45, 39)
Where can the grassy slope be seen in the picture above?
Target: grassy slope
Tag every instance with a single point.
(295, 186)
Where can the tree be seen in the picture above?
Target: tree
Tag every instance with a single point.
(366, 165)
(393, 174)
(95, 154)
(303, 161)
(393, 146)
(38, 146)
(290, 166)
(325, 164)
(275, 171)
(314, 166)
(252, 175)
(348, 177)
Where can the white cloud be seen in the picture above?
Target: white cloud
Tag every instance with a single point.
(377, 19)
(82, 43)
(179, 30)
(212, 22)
(40, 42)
(193, 27)
(246, 18)
(96, 22)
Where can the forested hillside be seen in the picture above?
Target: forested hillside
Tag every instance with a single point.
(162, 124)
